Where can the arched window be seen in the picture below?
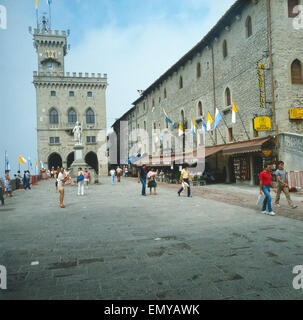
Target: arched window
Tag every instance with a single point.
(165, 93)
(198, 70)
(291, 5)
(72, 116)
(90, 116)
(248, 26)
(180, 82)
(53, 116)
(296, 72)
(225, 51)
(200, 110)
(182, 118)
(227, 97)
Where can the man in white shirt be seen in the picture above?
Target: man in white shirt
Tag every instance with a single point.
(61, 180)
(113, 173)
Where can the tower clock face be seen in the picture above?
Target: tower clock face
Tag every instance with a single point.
(50, 66)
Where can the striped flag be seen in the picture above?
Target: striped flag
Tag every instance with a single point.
(36, 4)
(22, 160)
(218, 118)
(204, 126)
(167, 118)
(181, 132)
(210, 120)
(49, 2)
(7, 165)
(193, 126)
(234, 113)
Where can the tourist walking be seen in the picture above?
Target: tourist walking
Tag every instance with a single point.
(112, 174)
(265, 185)
(56, 173)
(86, 177)
(8, 185)
(142, 174)
(185, 181)
(1, 191)
(27, 179)
(52, 175)
(119, 173)
(62, 178)
(283, 185)
(152, 184)
(80, 181)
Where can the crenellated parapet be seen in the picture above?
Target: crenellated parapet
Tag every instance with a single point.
(70, 79)
(50, 38)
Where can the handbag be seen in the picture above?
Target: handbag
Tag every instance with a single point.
(261, 199)
(80, 178)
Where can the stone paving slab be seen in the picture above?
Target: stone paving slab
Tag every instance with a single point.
(102, 246)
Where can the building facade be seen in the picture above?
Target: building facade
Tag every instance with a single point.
(253, 57)
(62, 100)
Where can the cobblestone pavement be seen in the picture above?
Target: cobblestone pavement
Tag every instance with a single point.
(115, 244)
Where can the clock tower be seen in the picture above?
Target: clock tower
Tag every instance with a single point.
(51, 49)
(63, 99)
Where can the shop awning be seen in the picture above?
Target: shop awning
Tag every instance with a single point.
(245, 147)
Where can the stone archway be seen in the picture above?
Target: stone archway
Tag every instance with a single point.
(70, 159)
(54, 160)
(92, 160)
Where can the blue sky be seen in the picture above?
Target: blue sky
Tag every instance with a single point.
(133, 41)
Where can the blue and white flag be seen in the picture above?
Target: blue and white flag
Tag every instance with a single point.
(218, 118)
(41, 165)
(30, 163)
(49, 2)
(204, 126)
(167, 118)
(7, 165)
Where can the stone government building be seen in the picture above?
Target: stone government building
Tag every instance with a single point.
(224, 67)
(62, 100)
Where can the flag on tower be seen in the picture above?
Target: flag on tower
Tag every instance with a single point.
(41, 165)
(234, 113)
(36, 4)
(210, 120)
(49, 2)
(218, 118)
(181, 132)
(36, 163)
(22, 160)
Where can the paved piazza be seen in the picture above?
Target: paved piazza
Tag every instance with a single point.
(115, 244)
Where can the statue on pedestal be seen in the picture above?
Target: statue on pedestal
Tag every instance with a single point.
(77, 131)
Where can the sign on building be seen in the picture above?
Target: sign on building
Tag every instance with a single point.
(296, 113)
(262, 124)
(261, 68)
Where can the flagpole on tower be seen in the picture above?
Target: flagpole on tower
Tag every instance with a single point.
(50, 13)
(37, 16)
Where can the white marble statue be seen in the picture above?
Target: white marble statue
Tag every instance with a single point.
(77, 131)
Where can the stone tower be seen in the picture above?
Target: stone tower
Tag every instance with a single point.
(62, 100)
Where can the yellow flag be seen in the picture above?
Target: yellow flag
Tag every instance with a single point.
(210, 118)
(194, 122)
(36, 4)
(234, 108)
(180, 130)
(21, 159)
(36, 163)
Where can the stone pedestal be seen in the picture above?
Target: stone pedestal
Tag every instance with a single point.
(80, 163)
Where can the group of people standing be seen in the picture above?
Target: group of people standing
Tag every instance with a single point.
(113, 173)
(62, 177)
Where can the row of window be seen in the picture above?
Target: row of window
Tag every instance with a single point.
(71, 94)
(56, 140)
(72, 116)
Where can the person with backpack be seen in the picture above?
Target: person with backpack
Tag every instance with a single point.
(80, 181)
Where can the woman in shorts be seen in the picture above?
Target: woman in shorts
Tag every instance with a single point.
(152, 184)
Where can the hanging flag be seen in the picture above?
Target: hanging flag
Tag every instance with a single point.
(210, 120)
(193, 126)
(234, 113)
(204, 126)
(218, 118)
(41, 165)
(7, 165)
(36, 4)
(49, 2)
(22, 160)
(30, 163)
(36, 163)
(181, 132)
(167, 118)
